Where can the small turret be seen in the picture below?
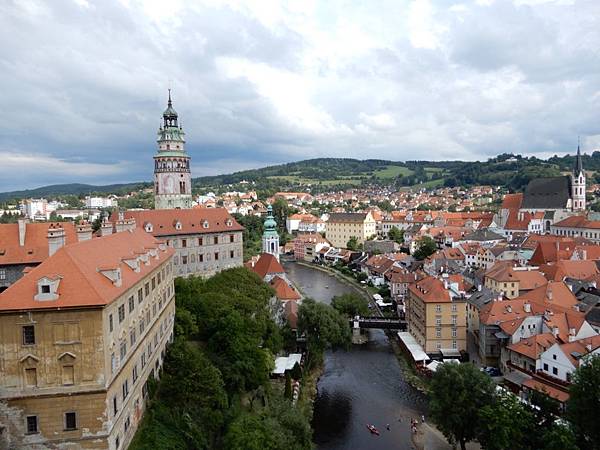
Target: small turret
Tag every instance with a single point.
(270, 239)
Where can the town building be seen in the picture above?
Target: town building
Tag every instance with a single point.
(577, 226)
(24, 245)
(206, 240)
(436, 314)
(341, 227)
(35, 208)
(172, 175)
(80, 337)
(512, 281)
(100, 202)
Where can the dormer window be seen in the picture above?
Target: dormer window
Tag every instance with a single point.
(205, 224)
(148, 227)
(47, 289)
(112, 273)
(177, 225)
(229, 222)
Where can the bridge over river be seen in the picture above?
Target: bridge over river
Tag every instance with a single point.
(383, 323)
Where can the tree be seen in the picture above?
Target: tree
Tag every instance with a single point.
(584, 403)
(396, 235)
(288, 386)
(350, 304)
(457, 393)
(426, 247)
(352, 243)
(361, 276)
(324, 328)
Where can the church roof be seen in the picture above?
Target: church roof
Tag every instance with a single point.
(267, 264)
(547, 193)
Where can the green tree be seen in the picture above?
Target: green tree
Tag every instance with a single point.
(584, 404)
(396, 235)
(288, 386)
(361, 276)
(457, 393)
(425, 248)
(324, 328)
(352, 243)
(350, 304)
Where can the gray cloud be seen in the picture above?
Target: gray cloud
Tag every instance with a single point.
(84, 82)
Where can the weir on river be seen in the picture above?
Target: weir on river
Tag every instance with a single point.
(359, 386)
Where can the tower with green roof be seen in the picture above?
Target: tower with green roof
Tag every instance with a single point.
(172, 176)
(270, 239)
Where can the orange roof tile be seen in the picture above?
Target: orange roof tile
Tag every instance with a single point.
(534, 346)
(82, 285)
(35, 248)
(283, 290)
(267, 264)
(430, 290)
(191, 221)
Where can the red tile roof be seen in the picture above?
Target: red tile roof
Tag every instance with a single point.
(534, 346)
(578, 222)
(164, 221)
(579, 270)
(430, 290)
(512, 201)
(35, 248)
(77, 265)
(267, 264)
(283, 290)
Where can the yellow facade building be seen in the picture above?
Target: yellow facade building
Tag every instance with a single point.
(436, 316)
(80, 336)
(341, 227)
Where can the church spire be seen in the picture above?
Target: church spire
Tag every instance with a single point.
(578, 163)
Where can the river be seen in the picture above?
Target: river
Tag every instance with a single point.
(359, 386)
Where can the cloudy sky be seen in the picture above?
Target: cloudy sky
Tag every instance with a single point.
(84, 82)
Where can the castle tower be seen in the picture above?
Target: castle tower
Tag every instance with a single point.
(270, 239)
(578, 184)
(172, 176)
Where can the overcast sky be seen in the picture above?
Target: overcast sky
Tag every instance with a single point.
(84, 82)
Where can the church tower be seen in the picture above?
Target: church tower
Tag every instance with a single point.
(172, 176)
(270, 239)
(578, 184)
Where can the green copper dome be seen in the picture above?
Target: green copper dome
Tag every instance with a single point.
(270, 224)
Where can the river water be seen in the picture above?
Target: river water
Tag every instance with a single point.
(359, 386)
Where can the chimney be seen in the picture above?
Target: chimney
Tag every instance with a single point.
(22, 230)
(549, 294)
(527, 307)
(84, 231)
(555, 331)
(106, 228)
(56, 238)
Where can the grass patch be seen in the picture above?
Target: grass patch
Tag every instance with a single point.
(392, 172)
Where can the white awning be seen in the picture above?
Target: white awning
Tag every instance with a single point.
(416, 351)
(284, 363)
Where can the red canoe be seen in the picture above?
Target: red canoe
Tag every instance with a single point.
(372, 429)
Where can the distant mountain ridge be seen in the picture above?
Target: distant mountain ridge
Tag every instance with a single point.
(508, 170)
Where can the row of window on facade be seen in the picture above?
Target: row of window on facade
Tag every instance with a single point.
(191, 242)
(191, 259)
(32, 425)
(142, 293)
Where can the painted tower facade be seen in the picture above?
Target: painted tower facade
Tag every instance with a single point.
(172, 176)
(270, 239)
(578, 184)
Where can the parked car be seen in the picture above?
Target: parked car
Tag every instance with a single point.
(492, 371)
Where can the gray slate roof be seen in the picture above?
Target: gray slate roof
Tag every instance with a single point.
(347, 217)
(547, 193)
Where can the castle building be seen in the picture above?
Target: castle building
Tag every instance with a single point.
(81, 335)
(553, 199)
(172, 176)
(270, 239)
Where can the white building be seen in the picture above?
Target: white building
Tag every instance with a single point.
(100, 202)
(35, 208)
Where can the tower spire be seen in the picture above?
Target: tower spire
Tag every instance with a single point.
(169, 103)
(578, 162)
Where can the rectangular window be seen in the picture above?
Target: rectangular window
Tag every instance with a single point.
(127, 424)
(110, 323)
(454, 308)
(115, 405)
(68, 375)
(31, 377)
(135, 373)
(140, 295)
(546, 367)
(231, 254)
(131, 304)
(184, 243)
(454, 332)
(2, 274)
(454, 344)
(438, 308)
(200, 258)
(32, 424)
(123, 350)
(142, 326)
(231, 238)
(438, 332)
(147, 289)
(28, 335)
(132, 337)
(199, 241)
(158, 278)
(184, 259)
(125, 389)
(216, 240)
(143, 360)
(70, 421)
(216, 256)
(438, 321)
(121, 313)
(153, 309)
(555, 370)
(153, 283)
(113, 362)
